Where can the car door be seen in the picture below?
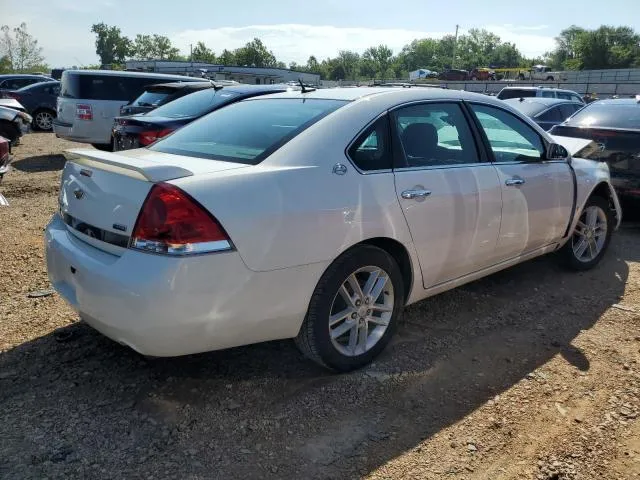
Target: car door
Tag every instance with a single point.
(449, 193)
(537, 195)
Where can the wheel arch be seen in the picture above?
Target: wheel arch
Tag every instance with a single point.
(605, 190)
(401, 256)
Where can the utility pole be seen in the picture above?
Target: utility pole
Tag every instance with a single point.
(191, 56)
(455, 44)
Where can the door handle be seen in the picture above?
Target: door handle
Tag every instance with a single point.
(411, 194)
(512, 182)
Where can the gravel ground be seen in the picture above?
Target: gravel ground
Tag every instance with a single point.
(532, 373)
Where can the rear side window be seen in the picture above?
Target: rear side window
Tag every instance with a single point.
(551, 115)
(548, 94)
(246, 132)
(435, 134)
(372, 149)
(608, 115)
(507, 93)
(195, 104)
(567, 110)
(106, 87)
(564, 96)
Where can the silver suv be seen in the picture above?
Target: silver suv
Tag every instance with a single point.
(544, 92)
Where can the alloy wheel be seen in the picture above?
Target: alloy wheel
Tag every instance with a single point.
(590, 234)
(361, 311)
(44, 120)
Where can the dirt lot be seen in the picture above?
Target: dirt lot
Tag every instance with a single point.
(530, 373)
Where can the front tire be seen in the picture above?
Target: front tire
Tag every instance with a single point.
(354, 310)
(590, 239)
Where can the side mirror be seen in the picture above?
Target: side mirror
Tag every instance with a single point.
(556, 152)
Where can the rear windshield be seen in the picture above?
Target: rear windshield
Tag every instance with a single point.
(106, 87)
(195, 104)
(516, 93)
(608, 115)
(152, 98)
(530, 109)
(247, 132)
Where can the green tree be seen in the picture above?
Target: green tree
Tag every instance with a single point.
(313, 66)
(255, 54)
(5, 64)
(350, 62)
(142, 47)
(111, 46)
(381, 56)
(163, 50)
(203, 54)
(20, 48)
(227, 57)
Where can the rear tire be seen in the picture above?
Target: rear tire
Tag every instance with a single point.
(590, 239)
(348, 324)
(43, 120)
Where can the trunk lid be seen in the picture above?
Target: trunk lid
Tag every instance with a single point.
(101, 192)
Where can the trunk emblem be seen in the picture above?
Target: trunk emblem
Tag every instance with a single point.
(78, 193)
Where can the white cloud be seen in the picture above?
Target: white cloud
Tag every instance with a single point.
(295, 42)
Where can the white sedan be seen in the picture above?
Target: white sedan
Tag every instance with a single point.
(316, 215)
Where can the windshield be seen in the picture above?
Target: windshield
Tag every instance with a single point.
(195, 104)
(608, 115)
(246, 132)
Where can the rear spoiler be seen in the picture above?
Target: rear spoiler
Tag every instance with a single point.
(128, 166)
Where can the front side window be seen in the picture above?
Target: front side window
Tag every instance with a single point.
(548, 94)
(434, 134)
(511, 139)
(576, 98)
(372, 149)
(567, 110)
(248, 131)
(564, 96)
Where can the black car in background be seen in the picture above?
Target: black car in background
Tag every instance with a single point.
(614, 125)
(39, 100)
(155, 96)
(546, 112)
(16, 81)
(142, 130)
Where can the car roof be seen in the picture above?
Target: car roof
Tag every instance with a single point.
(40, 85)
(617, 101)
(545, 101)
(531, 87)
(151, 75)
(395, 95)
(22, 75)
(245, 88)
(181, 85)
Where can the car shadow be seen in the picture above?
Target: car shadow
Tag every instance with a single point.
(40, 163)
(74, 401)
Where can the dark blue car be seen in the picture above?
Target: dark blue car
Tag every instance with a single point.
(546, 112)
(39, 100)
(136, 131)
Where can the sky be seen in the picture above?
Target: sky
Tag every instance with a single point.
(294, 30)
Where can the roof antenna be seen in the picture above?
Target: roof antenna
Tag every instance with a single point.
(304, 90)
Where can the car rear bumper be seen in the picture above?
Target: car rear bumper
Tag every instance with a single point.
(73, 133)
(163, 306)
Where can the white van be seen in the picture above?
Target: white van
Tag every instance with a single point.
(90, 99)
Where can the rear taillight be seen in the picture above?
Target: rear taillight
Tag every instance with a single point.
(84, 112)
(148, 137)
(4, 150)
(173, 223)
